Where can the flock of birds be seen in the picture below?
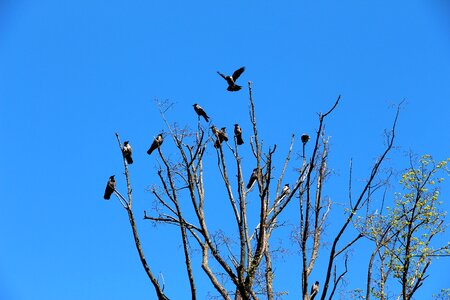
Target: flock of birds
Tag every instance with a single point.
(157, 142)
(221, 135)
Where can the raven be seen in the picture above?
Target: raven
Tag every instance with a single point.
(231, 80)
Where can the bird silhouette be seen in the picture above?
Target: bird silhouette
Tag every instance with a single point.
(110, 187)
(238, 134)
(231, 80)
(314, 290)
(127, 151)
(200, 112)
(156, 143)
(305, 139)
(253, 179)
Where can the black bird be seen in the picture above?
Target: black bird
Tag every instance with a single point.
(305, 139)
(127, 151)
(156, 143)
(285, 191)
(110, 187)
(314, 290)
(238, 134)
(220, 134)
(231, 80)
(200, 112)
(253, 178)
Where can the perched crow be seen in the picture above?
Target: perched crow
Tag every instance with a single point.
(127, 151)
(314, 289)
(285, 191)
(220, 134)
(253, 178)
(200, 112)
(305, 138)
(238, 134)
(110, 187)
(231, 80)
(156, 143)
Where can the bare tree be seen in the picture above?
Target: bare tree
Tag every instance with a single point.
(245, 259)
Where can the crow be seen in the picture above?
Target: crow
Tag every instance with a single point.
(238, 134)
(156, 143)
(231, 80)
(110, 187)
(285, 191)
(127, 151)
(305, 139)
(253, 178)
(220, 134)
(200, 112)
(314, 290)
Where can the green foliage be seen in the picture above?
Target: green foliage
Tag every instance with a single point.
(404, 235)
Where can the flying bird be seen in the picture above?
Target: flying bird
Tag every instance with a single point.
(110, 187)
(314, 289)
(253, 178)
(127, 151)
(238, 134)
(200, 112)
(285, 191)
(156, 143)
(231, 80)
(220, 134)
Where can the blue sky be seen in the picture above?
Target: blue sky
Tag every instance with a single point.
(72, 73)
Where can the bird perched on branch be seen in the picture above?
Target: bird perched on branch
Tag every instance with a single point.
(253, 178)
(305, 139)
(110, 187)
(238, 134)
(127, 151)
(231, 80)
(220, 134)
(285, 191)
(156, 143)
(314, 290)
(200, 112)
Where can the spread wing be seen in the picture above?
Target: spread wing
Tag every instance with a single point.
(223, 76)
(238, 73)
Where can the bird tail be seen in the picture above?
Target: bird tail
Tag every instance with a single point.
(239, 139)
(129, 159)
(234, 88)
(107, 195)
(206, 118)
(149, 151)
(250, 184)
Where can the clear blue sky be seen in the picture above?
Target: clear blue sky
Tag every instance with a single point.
(74, 72)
